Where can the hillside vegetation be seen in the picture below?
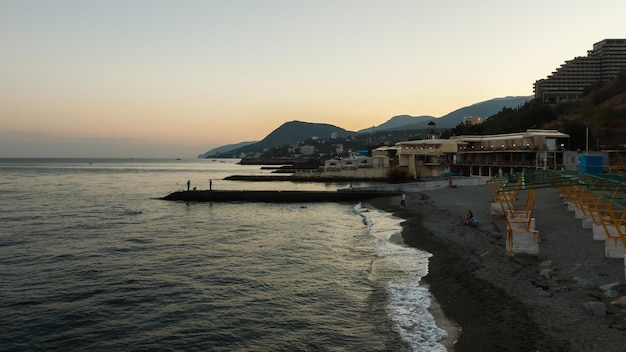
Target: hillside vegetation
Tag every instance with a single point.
(601, 113)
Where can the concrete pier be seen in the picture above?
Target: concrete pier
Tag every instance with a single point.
(278, 196)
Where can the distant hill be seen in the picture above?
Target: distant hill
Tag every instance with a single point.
(483, 109)
(292, 132)
(297, 131)
(215, 152)
(399, 122)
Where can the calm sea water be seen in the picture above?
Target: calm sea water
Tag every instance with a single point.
(90, 260)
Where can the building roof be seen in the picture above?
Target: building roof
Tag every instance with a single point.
(426, 141)
(388, 147)
(516, 135)
(464, 139)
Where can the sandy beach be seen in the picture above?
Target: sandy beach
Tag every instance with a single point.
(502, 303)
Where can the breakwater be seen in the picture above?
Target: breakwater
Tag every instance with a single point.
(300, 178)
(277, 196)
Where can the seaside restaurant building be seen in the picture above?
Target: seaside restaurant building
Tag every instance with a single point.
(486, 155)
(509, 153)
(426, 157)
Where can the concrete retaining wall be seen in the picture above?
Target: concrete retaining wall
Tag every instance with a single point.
(429, 184)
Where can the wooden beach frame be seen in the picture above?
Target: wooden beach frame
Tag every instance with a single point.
(597, 201)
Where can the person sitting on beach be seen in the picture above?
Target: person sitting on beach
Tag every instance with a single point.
(469, 217)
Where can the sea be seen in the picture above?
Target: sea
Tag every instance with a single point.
(92, 260)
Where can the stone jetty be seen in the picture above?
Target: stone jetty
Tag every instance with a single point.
(277, 196)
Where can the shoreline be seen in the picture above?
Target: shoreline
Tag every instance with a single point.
(502, 303)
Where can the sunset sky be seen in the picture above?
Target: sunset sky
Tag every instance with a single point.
(150, 78)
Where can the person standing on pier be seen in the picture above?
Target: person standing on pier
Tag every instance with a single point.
(188, 184)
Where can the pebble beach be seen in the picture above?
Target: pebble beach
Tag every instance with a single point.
(496, 302)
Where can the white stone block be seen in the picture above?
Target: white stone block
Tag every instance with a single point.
(598, 233)
(587, 222)
(614, 248)
(523, 242)
(496, 209)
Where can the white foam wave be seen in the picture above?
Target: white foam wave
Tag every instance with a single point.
(402, 267)
(408, 306)
(367, 221)
(387, 225)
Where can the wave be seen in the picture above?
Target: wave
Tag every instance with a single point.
(367, 221)
(400, 268)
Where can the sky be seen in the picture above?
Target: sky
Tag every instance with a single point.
(152, 78)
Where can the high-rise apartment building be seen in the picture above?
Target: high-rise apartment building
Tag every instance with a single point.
(569, 81)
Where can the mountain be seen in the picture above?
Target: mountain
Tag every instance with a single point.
(297, 131)
(290, 132)
(224, 149)
(483, 109)
(399, 122)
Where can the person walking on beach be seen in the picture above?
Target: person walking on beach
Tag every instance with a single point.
(188, 184)
(403, 200)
